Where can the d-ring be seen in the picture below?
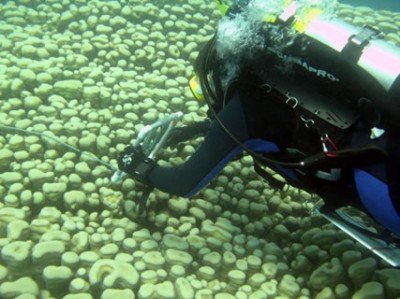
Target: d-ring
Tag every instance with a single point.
(307, 122)
(267, 87)
(292, 101)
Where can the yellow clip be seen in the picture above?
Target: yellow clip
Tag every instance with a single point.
(290, 10)
(195, 87)
(269, 18)
(223, 8)
(286, 3)
(301, 23)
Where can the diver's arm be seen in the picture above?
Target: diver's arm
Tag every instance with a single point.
(209, 158)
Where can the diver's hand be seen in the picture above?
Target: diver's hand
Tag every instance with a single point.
(186, 133)
(133, 161)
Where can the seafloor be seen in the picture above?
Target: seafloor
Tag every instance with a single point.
(92, 73)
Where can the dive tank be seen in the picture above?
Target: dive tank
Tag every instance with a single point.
(366, 48)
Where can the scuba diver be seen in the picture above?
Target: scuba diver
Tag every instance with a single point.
(309, 96)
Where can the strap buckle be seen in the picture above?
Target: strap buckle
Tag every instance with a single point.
(362, 38)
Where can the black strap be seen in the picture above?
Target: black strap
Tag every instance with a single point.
(134, 162)
(355, 46)
(348, 156)
(352, 156)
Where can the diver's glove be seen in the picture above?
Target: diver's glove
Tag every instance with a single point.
(186, 133)
(134, 162)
